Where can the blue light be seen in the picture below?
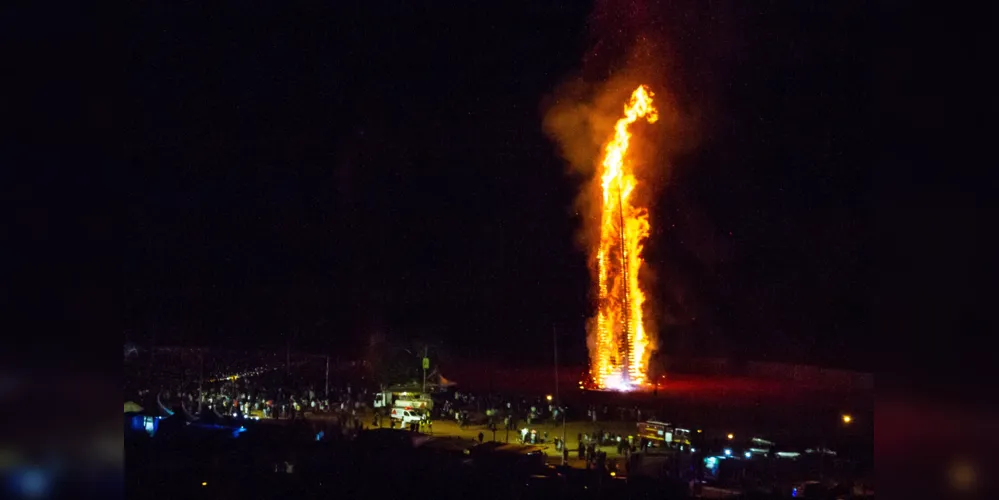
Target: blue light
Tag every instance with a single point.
(145, 423)
(30, 483)
(747, 454)
(137, 423)
(728, 452)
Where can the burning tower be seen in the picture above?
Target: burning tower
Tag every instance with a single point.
(620, 352)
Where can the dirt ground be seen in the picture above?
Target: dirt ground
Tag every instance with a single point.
(573, 429)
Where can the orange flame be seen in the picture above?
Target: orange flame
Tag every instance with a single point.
(620, 356)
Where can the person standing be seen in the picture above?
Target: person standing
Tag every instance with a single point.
(481, 437)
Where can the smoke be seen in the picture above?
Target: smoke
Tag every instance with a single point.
(579, 115)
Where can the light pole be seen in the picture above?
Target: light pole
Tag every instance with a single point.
(425, 364)
(555, 343)
(201, 378)
(564, 454)
(558, 401)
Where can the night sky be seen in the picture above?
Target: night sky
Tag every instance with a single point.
(327, 171)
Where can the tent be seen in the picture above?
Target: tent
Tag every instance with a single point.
(132, 407)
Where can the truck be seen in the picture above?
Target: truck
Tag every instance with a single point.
(663, 433)
(403, 400)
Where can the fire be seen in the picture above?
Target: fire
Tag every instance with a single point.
(620, 356)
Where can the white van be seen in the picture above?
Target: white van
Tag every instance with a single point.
(407, 415)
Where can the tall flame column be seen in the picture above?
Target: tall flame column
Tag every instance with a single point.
(620, 355)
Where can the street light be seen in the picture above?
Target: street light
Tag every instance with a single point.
(847, 419)
(549, 398)
(730, 435)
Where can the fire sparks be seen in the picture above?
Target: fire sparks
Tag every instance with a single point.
(620, 356)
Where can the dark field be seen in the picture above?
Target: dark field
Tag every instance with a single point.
(798, 413)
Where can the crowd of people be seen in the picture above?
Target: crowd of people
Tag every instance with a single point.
(346, 403)
(265, 392)
(259, 392)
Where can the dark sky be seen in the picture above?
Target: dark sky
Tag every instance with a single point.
(328, 170)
